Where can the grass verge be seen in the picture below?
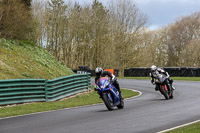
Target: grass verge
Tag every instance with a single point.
(174, 78)
(194, 128)
(186, 78)
(79, 100)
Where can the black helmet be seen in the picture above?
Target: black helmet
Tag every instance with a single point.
(98, 71)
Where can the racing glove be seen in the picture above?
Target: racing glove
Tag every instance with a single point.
(95, 87)
(113, 78)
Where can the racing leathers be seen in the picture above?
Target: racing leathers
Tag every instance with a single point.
(161, 71)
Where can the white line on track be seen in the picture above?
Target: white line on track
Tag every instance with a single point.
(179, 126)
(140, 93)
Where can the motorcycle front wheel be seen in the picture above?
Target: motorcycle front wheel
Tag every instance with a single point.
(164, 92)
(107, 102)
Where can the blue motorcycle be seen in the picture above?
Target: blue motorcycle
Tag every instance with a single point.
(109, 94)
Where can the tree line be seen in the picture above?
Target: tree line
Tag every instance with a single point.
(15, 19)
(176, 45)
(113, 36)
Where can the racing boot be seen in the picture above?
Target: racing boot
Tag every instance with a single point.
(173, 88)
(156, 88)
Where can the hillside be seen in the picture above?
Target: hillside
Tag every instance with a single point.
(23, 60)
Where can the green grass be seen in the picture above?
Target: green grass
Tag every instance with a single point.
(194, 128)
(79, 100)
(174, 78)
(133, 78)
(186, 78)
(24, 59)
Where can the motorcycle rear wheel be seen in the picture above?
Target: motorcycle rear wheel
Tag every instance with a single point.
(171, 96)
(171, 93)
(121, 105)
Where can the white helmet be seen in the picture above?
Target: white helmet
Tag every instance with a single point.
(153, 68)
(98, 71)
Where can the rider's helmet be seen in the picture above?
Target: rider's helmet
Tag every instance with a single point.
(98, 71)
(153, 69)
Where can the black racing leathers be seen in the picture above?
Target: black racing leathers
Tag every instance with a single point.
(110, 75)
(160, 71)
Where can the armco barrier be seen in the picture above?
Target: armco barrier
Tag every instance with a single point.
(37, 90)
(66, 86)
(21, 91)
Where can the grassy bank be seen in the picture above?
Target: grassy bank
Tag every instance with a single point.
(194, 128)
(24, 59)
(79, 100)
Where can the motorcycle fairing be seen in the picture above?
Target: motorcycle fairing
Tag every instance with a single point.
(105, 86)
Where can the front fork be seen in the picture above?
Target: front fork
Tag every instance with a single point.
(109, 96)
(105, 93)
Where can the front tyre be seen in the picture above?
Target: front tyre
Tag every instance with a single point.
(107, 102)
(165, 93)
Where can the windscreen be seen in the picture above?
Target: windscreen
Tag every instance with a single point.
(103, 82)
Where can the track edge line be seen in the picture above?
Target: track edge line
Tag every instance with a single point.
(183, 125)
(140, 93)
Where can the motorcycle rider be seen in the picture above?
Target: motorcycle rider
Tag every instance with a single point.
(101, 73)
(154, 71)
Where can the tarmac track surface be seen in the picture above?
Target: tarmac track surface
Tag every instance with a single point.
(148, 113)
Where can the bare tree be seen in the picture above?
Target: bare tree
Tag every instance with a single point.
(91, 35)
(126, 22)
(15, 19)
(190, 55)
(180, 35)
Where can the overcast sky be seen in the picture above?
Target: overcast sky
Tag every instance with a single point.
(162, 12)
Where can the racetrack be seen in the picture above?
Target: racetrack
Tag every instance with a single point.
(148, 113)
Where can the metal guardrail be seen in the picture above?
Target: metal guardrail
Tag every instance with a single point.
(21, 91)
(66, 86)
(38, 90)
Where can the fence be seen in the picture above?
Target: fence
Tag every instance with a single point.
(173, 71)
(38, 90)
(22, 90)
(67, 86)
(86, 69)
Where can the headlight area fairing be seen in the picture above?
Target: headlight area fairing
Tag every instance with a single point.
(104, 86)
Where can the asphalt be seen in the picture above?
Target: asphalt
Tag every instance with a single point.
(148, 113)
